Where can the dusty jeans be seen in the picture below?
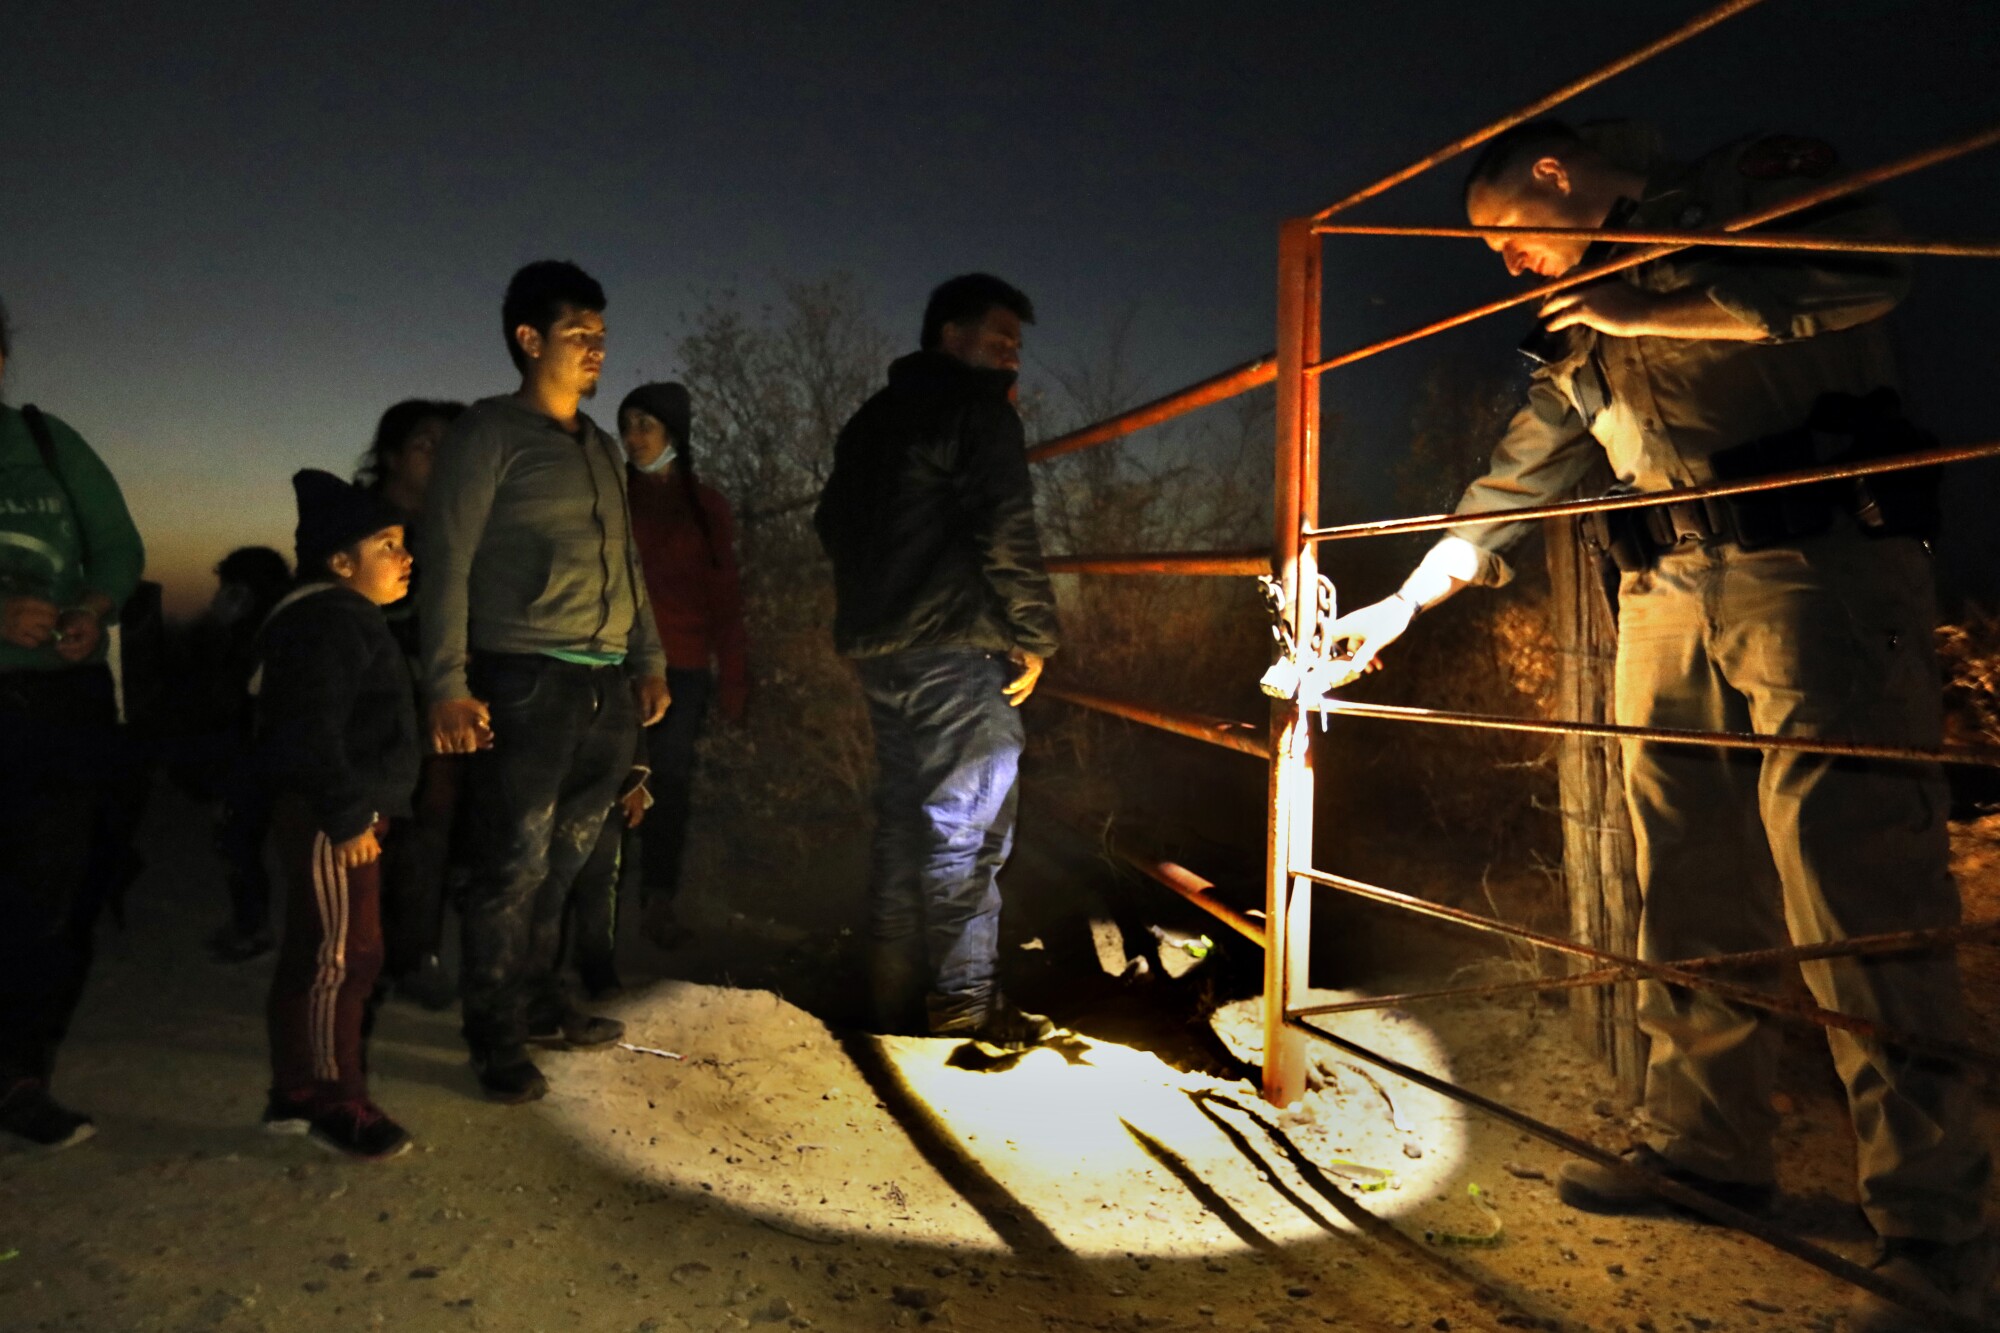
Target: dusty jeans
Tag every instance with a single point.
(947, 751)
(1827, 637)
(533, 805)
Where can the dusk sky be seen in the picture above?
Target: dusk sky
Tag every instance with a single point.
(231, 234)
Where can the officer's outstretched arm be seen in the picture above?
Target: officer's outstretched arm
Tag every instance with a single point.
(1364, 633)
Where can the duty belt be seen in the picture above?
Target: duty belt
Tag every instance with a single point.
(1686, 523)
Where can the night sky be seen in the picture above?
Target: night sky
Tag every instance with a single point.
(230, 234)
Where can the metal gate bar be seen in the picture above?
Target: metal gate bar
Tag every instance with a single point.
(1217, 388)
(1693, 28)
(1762, 240)
(1238, 736)
(1170, 874)
(1720, 740)
(1694, 1200)
(1295, 367)
(1847, 185)
(1667, 972)
(1164, 562)
(1855, 946)
(1604, 504)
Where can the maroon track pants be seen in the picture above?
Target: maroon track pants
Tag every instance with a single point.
(327, 965)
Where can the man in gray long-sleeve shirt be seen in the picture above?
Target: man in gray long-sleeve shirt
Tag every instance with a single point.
(541, 661)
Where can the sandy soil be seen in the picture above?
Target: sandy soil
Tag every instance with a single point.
(793, 1172)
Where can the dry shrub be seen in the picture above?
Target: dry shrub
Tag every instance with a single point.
(1485, 651)
(771, 390)
(1203, 483)
(1969, 653)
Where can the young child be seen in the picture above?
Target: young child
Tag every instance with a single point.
(337, 738)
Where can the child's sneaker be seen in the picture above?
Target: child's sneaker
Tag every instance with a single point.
(287, 1114)
(360, 1129)
(28, 1112)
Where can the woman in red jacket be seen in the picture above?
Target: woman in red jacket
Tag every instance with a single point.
(687, 546)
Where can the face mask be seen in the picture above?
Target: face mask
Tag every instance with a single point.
(232, 603)
(660, 464)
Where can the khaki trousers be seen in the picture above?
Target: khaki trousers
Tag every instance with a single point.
(1739, 850)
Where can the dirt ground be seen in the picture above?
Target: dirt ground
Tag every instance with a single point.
(793, 1172)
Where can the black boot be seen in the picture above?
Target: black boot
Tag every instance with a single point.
(1602, 1189)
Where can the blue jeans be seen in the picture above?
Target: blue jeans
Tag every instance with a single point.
(533, 806)
(947, 752)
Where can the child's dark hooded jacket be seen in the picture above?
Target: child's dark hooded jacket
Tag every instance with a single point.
(336, 723)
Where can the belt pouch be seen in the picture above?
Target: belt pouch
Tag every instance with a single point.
(1768, 518)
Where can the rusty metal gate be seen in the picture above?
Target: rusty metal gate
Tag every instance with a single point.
(1285, 743)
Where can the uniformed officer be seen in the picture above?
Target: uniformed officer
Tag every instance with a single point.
(1804, 617)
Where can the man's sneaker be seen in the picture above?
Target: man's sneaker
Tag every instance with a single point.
(575, 1031)
(287, 1115)
(508, 1075)
(429, 985)
(1600, 1189)
(359, 1129)
(1955, 1276)
(230, 945)
(1006, 1031)
(28, 1112)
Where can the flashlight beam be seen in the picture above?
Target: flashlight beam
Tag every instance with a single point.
(1693, 1199)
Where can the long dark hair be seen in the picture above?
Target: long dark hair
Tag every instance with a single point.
(669, 405)
(684, 465)
(392, 434)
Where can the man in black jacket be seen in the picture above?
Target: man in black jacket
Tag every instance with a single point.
(942, 601)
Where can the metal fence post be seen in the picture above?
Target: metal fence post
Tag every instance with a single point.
(1295, 507)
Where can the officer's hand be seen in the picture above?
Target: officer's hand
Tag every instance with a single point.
(461, 726)
(1616, 308)
(27, 622)
(633, 805)
(1018, 689)
(653, 698)
(1360, 635)
(78, 632)
(360, 850)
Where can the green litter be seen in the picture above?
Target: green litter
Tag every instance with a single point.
(1490, 1237)
(1377, 1178)
(1194, 946)
(9, 1254)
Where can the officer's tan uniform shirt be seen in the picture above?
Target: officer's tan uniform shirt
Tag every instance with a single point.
(1660, 408)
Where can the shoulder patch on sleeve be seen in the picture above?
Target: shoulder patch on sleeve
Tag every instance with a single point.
(1784, 156)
